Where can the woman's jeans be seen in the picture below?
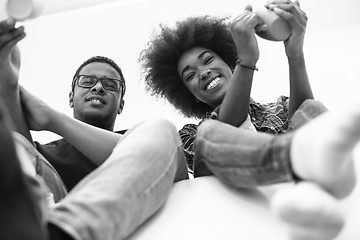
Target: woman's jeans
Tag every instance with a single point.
(128, 188)
(243, 158)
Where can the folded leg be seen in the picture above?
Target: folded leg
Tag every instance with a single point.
(21, 217)
(243, 158)
(322, 151)
(131, 185)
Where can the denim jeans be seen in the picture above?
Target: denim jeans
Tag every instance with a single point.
(128, 188)
(34, 165)
(243, 158)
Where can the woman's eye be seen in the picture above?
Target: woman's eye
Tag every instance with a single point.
(190, 76)
(208, 59)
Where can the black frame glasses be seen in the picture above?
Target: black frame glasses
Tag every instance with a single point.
(110, 84)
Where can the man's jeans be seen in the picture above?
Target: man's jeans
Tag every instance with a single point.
(129, 187)
(243, 158)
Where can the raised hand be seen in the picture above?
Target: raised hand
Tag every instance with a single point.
(243, 29)
(297, 19)
(9, 53)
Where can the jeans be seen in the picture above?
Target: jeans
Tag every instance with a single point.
(243, 158)
(128, 188)
(43, 169)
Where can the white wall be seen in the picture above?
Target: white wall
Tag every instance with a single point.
(56, 44)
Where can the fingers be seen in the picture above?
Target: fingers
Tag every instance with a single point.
(8, 41)
(297, 3)
(290, 11)
(245, 21)
(9, 36)
(248, 8)
(7, 25)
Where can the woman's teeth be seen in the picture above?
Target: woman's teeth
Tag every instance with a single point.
(213, 83)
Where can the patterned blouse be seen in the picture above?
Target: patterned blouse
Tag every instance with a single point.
(270, 118)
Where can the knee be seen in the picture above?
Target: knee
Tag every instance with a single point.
(313, 106)
(307, 111)
(210, 136)
(161, 125)
(160, 122)
(207, 130)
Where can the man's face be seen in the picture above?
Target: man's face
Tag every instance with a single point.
(96, 105)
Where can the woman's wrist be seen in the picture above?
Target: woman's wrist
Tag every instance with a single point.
(250, 66)
(298, 61)
(296, 57)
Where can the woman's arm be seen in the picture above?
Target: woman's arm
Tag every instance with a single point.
(234, 108)
(300, 88)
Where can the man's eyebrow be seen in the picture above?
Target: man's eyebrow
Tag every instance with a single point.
(200, 56)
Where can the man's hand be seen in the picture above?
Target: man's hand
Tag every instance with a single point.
(9, 53)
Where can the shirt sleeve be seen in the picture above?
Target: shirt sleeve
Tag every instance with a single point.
(247, 124)
(187, 135)
(272, 118)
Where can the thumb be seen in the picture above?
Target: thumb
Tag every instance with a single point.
(9, 45)
(248, 8)
(261, 28)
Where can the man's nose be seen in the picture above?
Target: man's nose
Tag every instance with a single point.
(98, 88)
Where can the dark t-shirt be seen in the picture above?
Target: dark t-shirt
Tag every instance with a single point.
(70, 163)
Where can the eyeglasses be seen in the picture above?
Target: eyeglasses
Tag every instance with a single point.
(111, 84)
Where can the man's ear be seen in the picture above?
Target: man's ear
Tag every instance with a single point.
(122, 103)
(71, 99)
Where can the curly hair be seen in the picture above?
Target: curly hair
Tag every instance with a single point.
(99, 59)
(160, 59)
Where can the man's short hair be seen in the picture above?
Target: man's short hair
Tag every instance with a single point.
(99, 59)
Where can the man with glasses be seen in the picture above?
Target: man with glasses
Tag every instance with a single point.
(97, 97)
(117, 197)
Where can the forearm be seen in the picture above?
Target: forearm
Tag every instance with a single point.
(300, 88)
(234, 108)
(95, 143)
(10, 97)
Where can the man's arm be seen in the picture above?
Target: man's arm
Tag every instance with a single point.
(25, 109)
(9, 74)
(95, 143)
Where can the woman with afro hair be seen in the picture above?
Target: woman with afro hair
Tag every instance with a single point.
(204, 67)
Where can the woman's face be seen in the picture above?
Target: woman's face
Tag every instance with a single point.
(205, 74)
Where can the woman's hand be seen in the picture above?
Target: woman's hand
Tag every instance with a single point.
(297, 20)
(243, 29)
